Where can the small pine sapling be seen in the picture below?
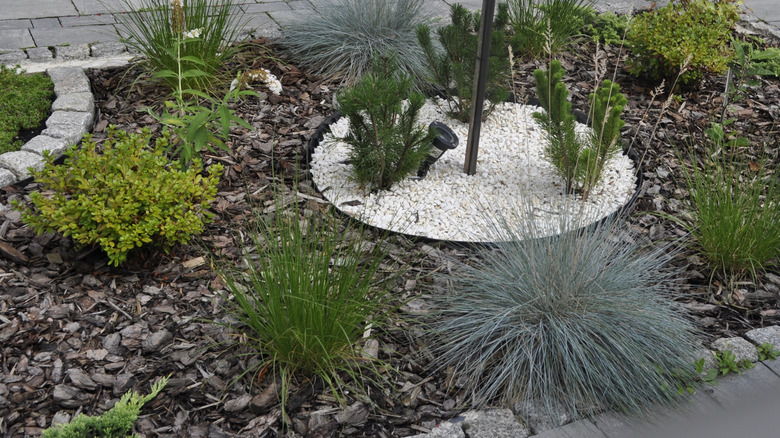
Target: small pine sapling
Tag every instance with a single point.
(114, 423)
(564, 149)
(387, 142)
(606, 107)
(452, 70)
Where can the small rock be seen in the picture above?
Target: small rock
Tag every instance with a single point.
(741, 348)
(493, 423)
(540, 419)
(61, 417)
(769, 335)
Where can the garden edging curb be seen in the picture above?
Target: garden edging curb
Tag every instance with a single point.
(73, 112)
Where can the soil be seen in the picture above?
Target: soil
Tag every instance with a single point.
(76, 334)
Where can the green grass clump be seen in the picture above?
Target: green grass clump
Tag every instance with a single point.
(121, 197)
(582, 320)
(545, 27)
(115, 423)
(342, 37)
(733, 205)
(688, 35)
(158, 31)
(25, 102)
(304, 295)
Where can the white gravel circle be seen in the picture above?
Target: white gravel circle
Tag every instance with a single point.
(450, 205)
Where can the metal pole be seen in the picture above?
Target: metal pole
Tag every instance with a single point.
(480, 85)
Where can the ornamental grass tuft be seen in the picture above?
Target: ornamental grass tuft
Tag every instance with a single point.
(342, 37)
(584, 320)
(305, 294)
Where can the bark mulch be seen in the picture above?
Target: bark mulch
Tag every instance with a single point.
(76, 334)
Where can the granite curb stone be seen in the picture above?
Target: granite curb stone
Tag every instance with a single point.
(72, 115)
(81, 102)
(19, 162)
(42, 143)
(39, 54)
(768, 335)
(64, 53)
(741, 348)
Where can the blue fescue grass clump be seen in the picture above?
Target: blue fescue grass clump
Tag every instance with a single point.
(582, 320)
(342, 37)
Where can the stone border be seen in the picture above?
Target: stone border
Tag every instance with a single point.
(503, 423)
(73, 112)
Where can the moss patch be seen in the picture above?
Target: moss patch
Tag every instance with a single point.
(24, 104)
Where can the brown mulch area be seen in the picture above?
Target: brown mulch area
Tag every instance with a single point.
(76, 334)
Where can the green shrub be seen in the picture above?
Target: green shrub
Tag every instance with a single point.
(690, 35)
(582, 320)
(564, 149)
(157, 30)
(608, 28)
(579, 161)
(387, 142)
(452, 70)
(606, 107)
(25, 102)
(124, 198)
(342, 37)
(546, 27)
(733, 206)
(304, 295)
(117, 422)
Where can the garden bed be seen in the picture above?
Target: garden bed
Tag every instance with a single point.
(75, 333)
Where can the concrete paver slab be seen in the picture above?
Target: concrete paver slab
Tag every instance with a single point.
(87, 20)
(11, 39)
(577, 429)
(733, 391)
(36, 9)
(15, 24)
(46, 23)
(74, 35)
(89, 7)
(265, 7)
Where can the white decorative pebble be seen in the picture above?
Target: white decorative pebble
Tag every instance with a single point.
(450, 205)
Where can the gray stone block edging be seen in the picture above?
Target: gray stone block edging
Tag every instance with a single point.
(72, 114)
(502, 423)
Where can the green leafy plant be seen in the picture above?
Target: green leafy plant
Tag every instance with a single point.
(607, 28)
(387, 142)
(707, 375)
(305, 294)
(157, 33)
(342, 37)
(728, 363)
(117, 422)
(452, 69)
(196, 126)
(734, 219)
(545, 27)
(123, 198)
(579, 319)
(24, 104)
(690, 35)
(767, 351)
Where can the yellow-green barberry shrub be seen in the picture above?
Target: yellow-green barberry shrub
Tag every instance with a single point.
(123, 198)
(694, 31)
(114, 423)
